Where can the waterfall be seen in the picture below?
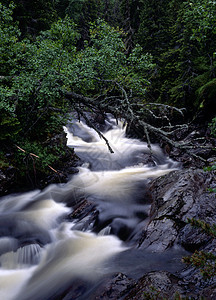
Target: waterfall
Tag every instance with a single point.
(44, 249)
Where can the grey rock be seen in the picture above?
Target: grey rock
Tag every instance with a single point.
(209, 292)
(156, 285)
(178, 196)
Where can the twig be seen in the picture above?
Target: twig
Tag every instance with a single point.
(89, 123)
(123, 106)
(32, 155)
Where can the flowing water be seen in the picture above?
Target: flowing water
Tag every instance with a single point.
(44, 250)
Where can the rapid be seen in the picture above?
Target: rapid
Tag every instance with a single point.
(44, 250)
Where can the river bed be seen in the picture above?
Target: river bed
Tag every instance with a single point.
(44, 251)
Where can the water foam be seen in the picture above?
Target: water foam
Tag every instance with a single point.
(40, 252)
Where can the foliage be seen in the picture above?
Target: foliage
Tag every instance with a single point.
(103, 62)
(202, 13)
(78, 9)
(27, 160)
(9, 35)
(82, 12)
(38, 76)
(213, 127)
(112, 12)
(205, 261)
(82, 63)
(205, 227)
(31, 107)
(32, 16)
(180, 35)
(212, 167)
(155, 20)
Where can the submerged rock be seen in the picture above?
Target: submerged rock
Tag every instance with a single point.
(176, 197)
(150, 270)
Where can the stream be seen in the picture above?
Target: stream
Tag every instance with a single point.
(45, 251)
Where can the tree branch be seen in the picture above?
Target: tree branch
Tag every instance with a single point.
(121, 105)
(90, 124)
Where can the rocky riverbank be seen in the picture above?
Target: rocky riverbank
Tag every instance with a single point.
(175, 197)
(14, 180)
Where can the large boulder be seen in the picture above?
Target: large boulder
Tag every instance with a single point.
(176, 197)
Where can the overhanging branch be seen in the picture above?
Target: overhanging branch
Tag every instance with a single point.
(121, 104)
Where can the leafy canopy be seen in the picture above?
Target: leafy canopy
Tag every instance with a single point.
(36, 76)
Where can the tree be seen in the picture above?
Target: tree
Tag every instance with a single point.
(180, 36)
(42, 78)
(9, 49)
(82, 12)
(156, 17)
(33, 16)
(130, 21)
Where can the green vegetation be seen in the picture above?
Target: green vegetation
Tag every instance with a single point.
(180, 35)
(204, 261)
(32, 16)
(113, 56)
(212, 167)
(40, 79)
(213, 127)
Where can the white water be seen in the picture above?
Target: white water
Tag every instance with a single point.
(41, 250)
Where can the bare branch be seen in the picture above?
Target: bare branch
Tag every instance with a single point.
(32, 155)
(90, 124)
(121, 106)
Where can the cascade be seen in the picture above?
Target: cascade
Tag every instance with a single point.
(43, 249)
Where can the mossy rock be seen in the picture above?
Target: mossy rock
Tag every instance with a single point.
(207, 98)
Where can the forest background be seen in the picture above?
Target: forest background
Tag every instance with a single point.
(148, 62)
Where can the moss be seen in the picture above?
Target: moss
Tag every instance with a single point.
(208, 90)
(206, 96)
(3, 164)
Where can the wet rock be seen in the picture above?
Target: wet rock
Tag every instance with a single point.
(147, 159)
(84, 215)
(209, 292)
(99, 118)
(77, 289)
(178, 196)
(199, 147)
(113, 288)
(155, 240)
(110, 287)
(156, 285)
(7, 179)
(192, 239)
(72, 170)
